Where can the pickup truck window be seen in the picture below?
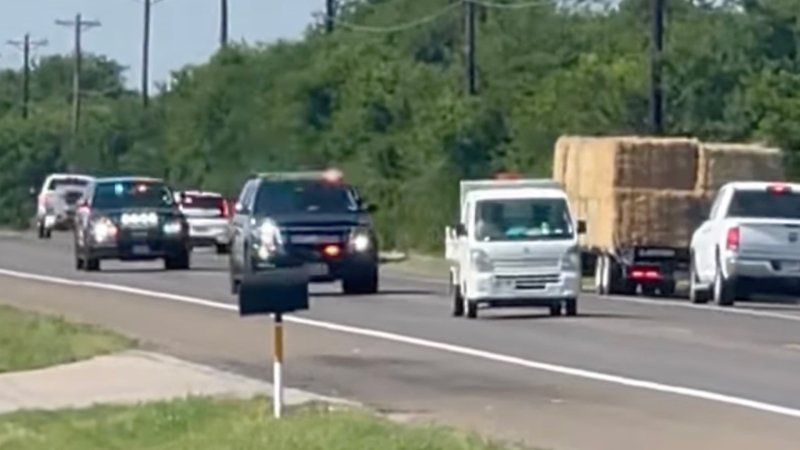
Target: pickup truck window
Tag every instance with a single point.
(522, 220)
(758, 204)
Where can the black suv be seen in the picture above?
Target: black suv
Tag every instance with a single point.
(311, 219)
(130, 219)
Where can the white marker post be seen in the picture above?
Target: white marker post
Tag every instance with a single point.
(277, 376)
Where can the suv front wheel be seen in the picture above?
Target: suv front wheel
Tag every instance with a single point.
(362, 283)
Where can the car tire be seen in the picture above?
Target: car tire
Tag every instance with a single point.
(472, 309)
(223, 249)
(571, 307)
(91, 264)
(556, 309)
(724, 290)
(697, 295)
(79, 262)
(458, 302)
(181, 261)
(362, 284)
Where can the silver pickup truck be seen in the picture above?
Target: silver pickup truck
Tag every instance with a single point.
(57, 202)
(749, 244)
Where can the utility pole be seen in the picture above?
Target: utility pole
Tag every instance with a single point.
(330, 15)
(657, 67)
(78, 25)
(223, 26)
(25, 45)
(469, 47)
(146, 54)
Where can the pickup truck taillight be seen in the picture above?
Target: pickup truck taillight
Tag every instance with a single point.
(732, 239)
(224, 208)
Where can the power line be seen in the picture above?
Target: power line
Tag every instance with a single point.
(511, 5)
(25, 45)
(400, 27)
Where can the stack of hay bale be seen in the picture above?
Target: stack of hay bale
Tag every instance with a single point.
(640, 191)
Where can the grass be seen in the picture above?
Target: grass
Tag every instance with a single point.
(32, 341)
(217, 424)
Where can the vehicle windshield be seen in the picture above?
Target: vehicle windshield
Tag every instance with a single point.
(202, 201)
(523, 220)
(132, 194)
(60, 183)
(296, 197)
(766, 205)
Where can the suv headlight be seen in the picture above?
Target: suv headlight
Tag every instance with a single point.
(571, 260)
(481, 261)
(360, 239)
(267, 238)
(103, 229)
(173, 227)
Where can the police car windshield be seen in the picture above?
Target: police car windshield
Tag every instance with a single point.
(299, 197)
(132, 194)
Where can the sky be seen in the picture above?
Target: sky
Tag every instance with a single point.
(183, 31)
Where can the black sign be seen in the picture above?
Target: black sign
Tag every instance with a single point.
(276, 290)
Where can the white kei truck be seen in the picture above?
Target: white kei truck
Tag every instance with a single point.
(749, 244)
(515, 245)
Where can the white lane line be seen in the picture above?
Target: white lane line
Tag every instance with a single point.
(645, 301)
(424, 343)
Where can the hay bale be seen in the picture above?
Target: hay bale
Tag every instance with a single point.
(655, 217)
(597, 165)
(656, 163)
(647, 217)
(560, 158)
(720, 163)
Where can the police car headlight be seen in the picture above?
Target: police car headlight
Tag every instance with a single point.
(268, 237)
(481, 261)
(173, 227)
(139, 219)
(103, 230)
(571, 261)
(360, 240)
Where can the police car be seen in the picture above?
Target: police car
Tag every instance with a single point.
(130, 219)
(311, 218)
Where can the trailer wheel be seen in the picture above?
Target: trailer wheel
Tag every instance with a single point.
(600, 276)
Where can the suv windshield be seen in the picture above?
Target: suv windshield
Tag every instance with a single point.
(762, 204)
(293, 197)
(132, 194)
(522, 219)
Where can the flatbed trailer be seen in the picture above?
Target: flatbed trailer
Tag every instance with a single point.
(646, 270)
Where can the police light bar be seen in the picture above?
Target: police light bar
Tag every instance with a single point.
(507, 176)
(329, 175)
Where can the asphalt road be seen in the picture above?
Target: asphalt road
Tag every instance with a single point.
(522, 387)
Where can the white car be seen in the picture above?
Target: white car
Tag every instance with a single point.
(57, 201)
(208, 214)
(750, 243)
